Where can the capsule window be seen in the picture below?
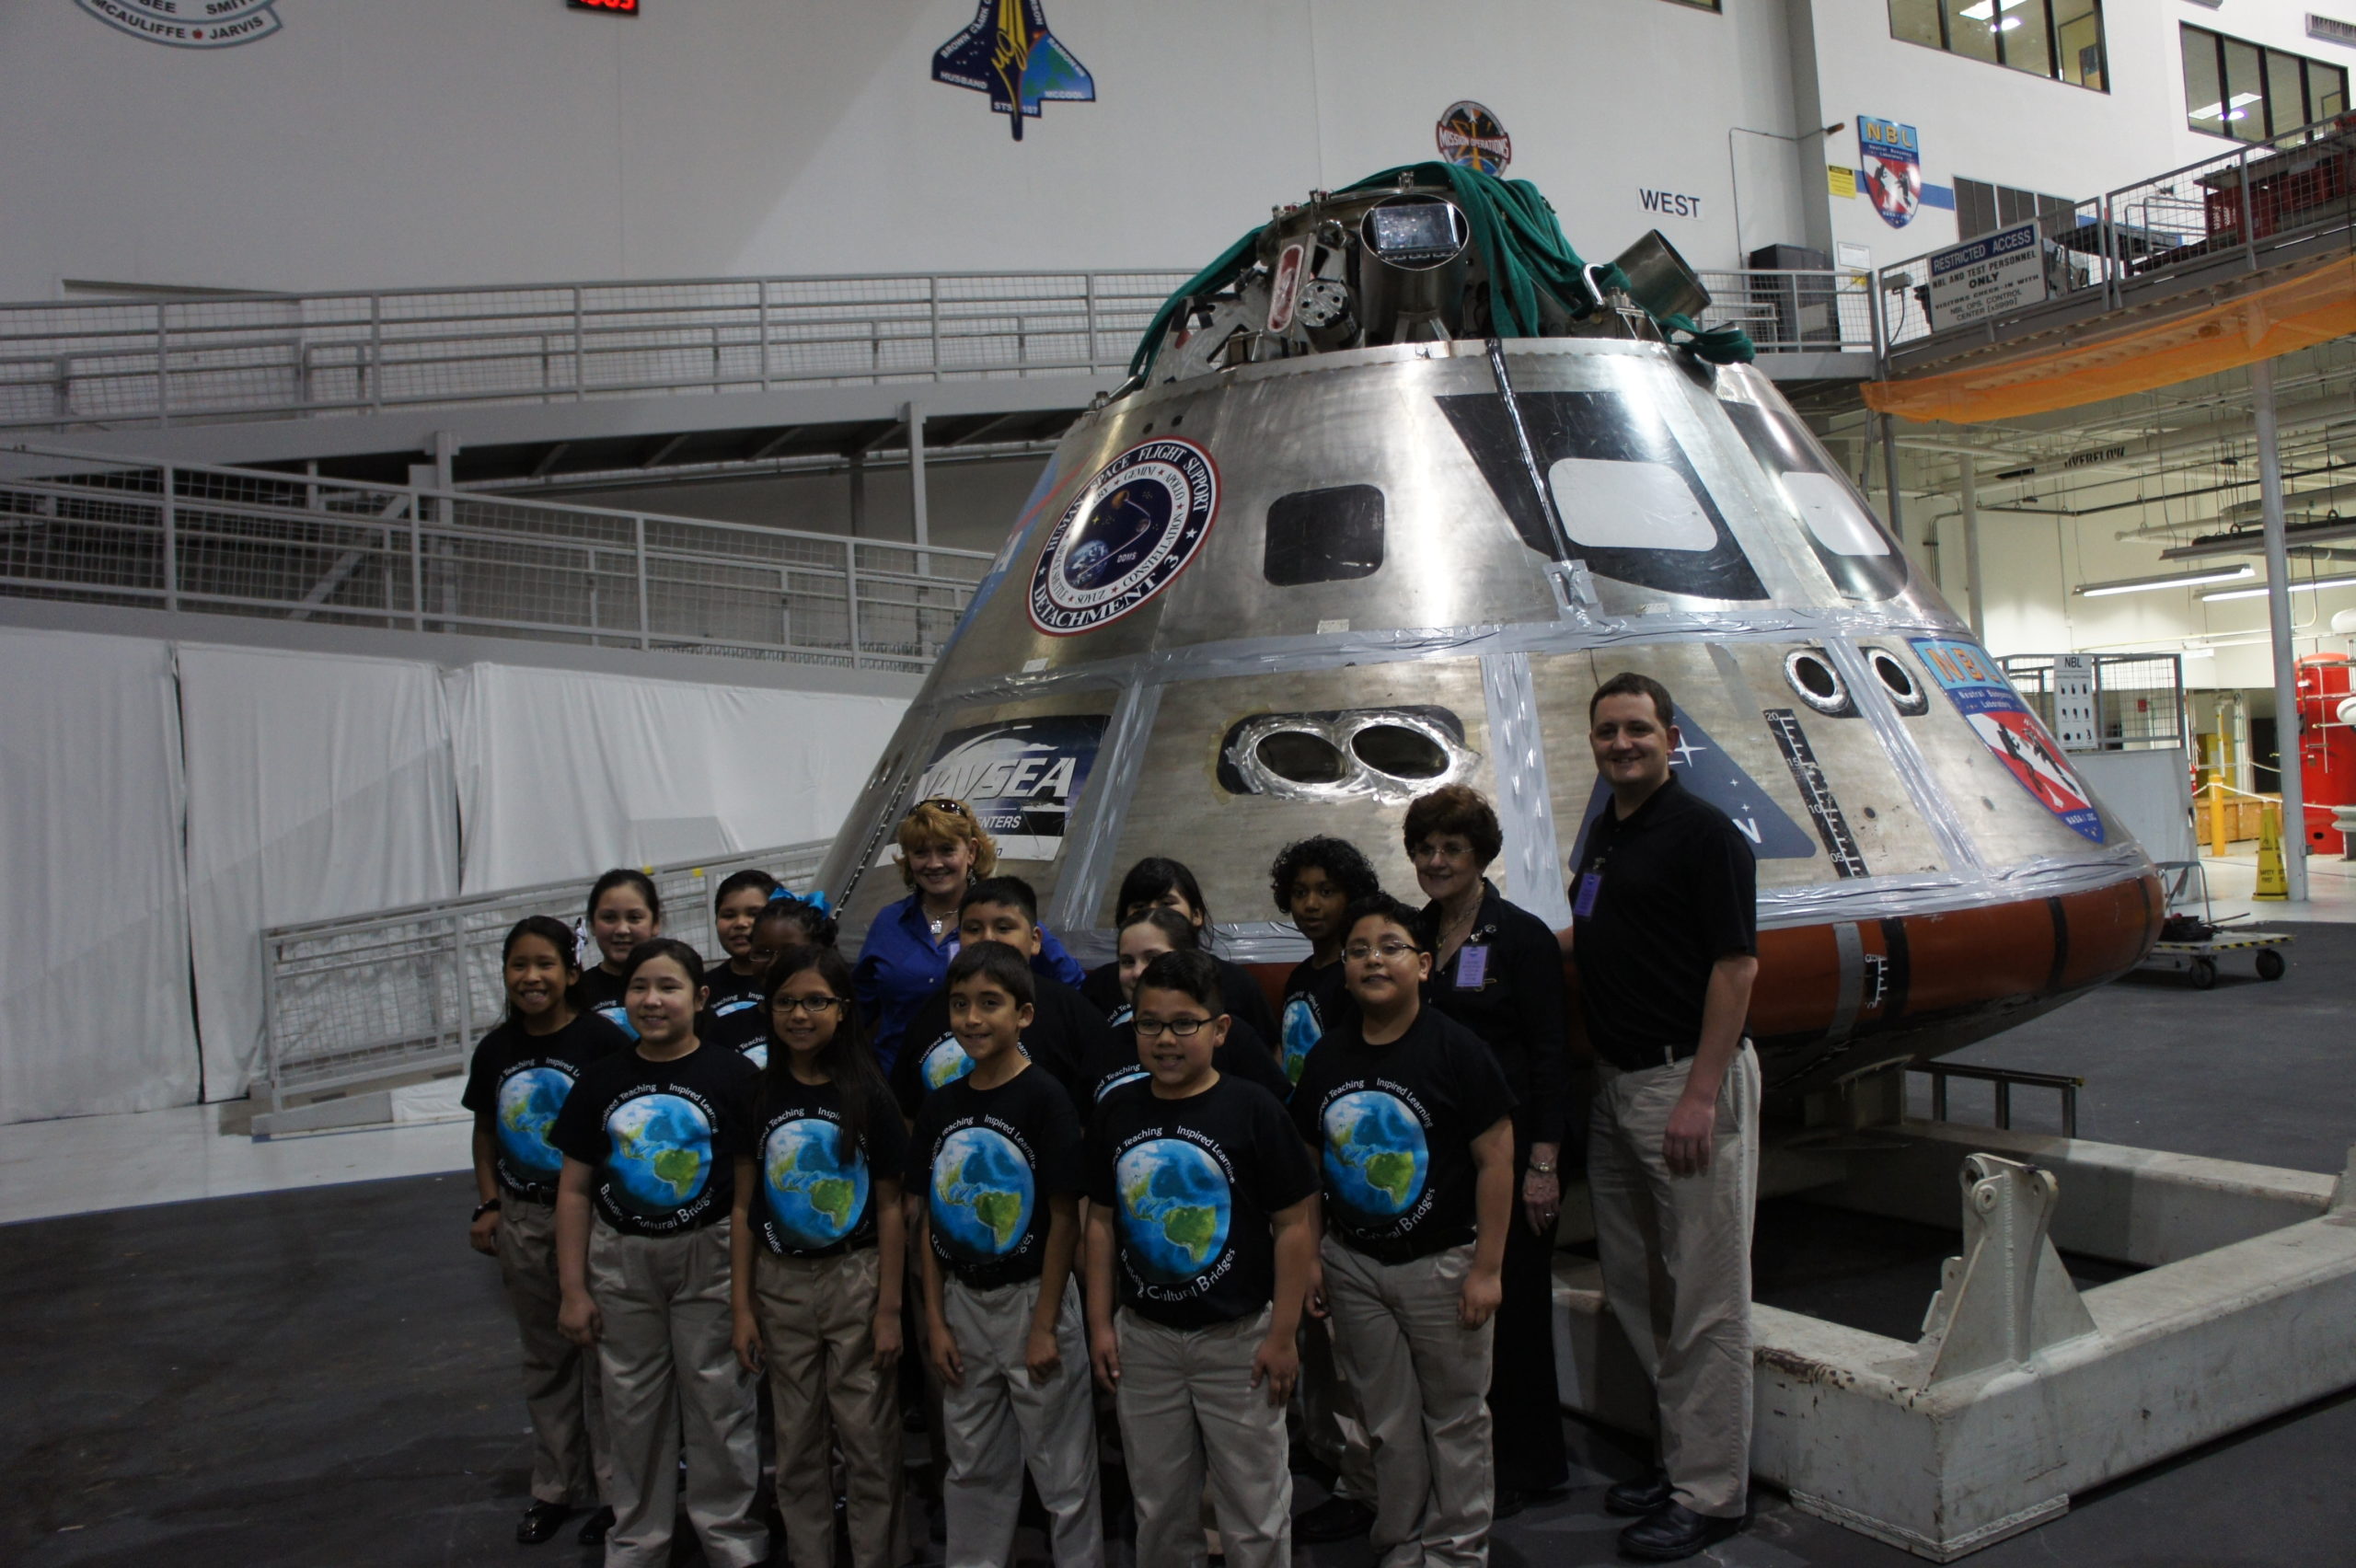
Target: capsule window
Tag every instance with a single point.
(1903, 689)
(1833, 517)
(1324, 536)
(1399, 751)
(1301, 757)
(1629, 506)
(1818, 684)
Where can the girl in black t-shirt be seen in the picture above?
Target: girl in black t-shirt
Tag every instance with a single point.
(1147, 934)
(520, 1078)
(624, 910)
(733, 1017)
(650, 1136)
(1158, 882)
(818, 1251)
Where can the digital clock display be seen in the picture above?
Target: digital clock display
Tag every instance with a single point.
(628, 7)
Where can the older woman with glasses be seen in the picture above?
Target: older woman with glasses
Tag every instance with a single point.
(1497, 970)
(943, 850)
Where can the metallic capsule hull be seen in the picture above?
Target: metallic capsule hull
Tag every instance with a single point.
(1284, 598)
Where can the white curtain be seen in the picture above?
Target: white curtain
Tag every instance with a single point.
(563, 774)
(317, 786)
(93, 978)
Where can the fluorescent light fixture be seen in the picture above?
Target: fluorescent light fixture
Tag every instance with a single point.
(2170, 580)
(2261, 590)
(2237, 110)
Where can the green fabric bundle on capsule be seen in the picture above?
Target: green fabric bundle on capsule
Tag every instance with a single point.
(1520, 240)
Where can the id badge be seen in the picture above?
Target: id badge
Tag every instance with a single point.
(1590, 883)
(1471, 966)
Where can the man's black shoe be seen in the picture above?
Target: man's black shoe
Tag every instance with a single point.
(1639, 1499)
(539, 1522)
(1512, 1500)
(1336, 1518)
(594, 1528)
(1675, 1533)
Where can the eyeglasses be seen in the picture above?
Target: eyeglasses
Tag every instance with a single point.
(817, 1007)
(1183, 1028)
(1391, 952)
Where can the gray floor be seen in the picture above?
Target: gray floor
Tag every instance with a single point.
(326, 1377)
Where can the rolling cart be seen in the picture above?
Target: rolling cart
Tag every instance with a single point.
(2191, 944)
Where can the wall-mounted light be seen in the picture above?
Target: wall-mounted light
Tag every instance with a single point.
(2262, 589)
(2169, 580)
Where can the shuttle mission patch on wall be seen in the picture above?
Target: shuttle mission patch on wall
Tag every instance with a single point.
(1129, 534)
(188, 24)
(1007, 52)
(2007, 728)
(1020, 776)
(1469, 134)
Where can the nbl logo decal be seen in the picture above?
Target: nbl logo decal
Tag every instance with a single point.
(1129, 534)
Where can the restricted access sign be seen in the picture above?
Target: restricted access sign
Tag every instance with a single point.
(1988, 276)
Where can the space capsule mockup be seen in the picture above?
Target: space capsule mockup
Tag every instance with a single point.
(1379, 514)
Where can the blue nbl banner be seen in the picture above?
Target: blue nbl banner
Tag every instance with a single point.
(1893, 171)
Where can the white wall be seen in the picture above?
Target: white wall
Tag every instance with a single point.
(460, 140)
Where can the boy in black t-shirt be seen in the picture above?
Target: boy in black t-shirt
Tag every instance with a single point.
(996, 1156)
(650, 1137)
(1412, 1119)
(1203, 1204)
(1064, 1030)
(733, 1017)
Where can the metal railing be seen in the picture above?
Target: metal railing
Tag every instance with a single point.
(2243, 210)
(132, 362)
(2138, 697)
(2004, 1078)
(1794, 311)
(408, 991)
(192, 537)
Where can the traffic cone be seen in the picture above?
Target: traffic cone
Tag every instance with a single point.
(2271, 880)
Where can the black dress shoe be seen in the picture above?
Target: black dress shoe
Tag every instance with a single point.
(1675, 1533)
(1336, 1518)
(1640, 1499)
(539, 1522)
(1512, 1500)
(594, 1528)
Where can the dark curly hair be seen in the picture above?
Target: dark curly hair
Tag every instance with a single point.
(1337, 857)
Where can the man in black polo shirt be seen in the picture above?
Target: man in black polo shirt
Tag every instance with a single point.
(1664, 922)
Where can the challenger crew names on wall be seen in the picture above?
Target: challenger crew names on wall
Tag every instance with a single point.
(1125, 537)
(188, 24)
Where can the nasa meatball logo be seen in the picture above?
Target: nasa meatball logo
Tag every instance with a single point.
(188, 24)
(1129, 534)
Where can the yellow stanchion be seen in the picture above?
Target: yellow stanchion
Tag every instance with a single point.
(2217, 818)
(2272, 882)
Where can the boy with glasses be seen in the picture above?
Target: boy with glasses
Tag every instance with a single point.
(1202, 1206)
(1412, 1119)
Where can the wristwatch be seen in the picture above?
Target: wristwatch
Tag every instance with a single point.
(482, 1209)
(1538, 1170)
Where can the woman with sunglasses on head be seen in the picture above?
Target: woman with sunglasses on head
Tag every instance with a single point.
(1497, 970)
(943, 850)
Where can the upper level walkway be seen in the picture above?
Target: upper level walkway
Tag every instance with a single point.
(556, 381)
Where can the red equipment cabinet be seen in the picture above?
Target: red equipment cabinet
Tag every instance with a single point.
(2326, 745)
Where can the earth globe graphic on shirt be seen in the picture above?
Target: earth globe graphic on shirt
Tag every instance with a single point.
(661, 1154)
(944, 1064)
(758, 1053)
(983, 1195)
(817, 1197)
(1175, 1207)
(1375, 1158)
(528, 1101)
(617, 1015)
(1300, 1033)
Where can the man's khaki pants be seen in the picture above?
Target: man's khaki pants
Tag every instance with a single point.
(1675, 1256)
(1187, 1406)
(817, 1321)
(569, 1461)
(996, 1420)
(1423, 1383)
(670, 1370)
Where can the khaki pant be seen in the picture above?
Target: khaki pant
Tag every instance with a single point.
(817, 1320)
(569, 1461)
(1326, 1411)
(1675, 1256)
(1422, 1381)
(1187, 1406)
(670, 1371)
(997, 1420)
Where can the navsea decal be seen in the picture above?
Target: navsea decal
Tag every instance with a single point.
(189, 24)
(1125, 537)
(1019, 777)
(1469, 134)
(2007, 728)
(1007, 52)
(1893, 170)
